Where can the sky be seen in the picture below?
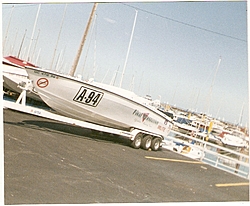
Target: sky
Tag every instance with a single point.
(189, 54)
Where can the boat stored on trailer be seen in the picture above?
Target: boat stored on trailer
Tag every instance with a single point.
(142, 123)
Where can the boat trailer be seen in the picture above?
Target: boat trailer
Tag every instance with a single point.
(139, 139)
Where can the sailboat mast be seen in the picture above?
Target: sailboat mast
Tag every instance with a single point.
(35, 45)
(12, 47)
(53, 57)
(21, 44)
(73, 69)
(28, 53)
(212, 85)
(131, 37)
(8, 28)
(241, 114)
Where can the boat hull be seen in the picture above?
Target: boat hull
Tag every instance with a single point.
(97, 103)
(233, 141)
(13, 76)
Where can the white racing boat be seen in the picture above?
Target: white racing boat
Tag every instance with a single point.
(102, 104)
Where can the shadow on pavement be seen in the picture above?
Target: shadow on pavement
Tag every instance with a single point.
(74, 131)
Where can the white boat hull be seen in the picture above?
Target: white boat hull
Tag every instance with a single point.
(13, 76)
(233, 141)
(188, 151)
(185, 129)
(98, 103)
(11, 81)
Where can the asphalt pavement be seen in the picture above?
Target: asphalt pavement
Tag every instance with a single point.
(47, 162)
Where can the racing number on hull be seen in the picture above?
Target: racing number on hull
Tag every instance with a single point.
(88, 96)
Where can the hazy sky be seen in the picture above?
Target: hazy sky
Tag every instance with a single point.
(174, 54)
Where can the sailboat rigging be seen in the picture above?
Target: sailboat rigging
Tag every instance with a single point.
(131, 37)
(53, 57)
(5, 38)
(32, 36)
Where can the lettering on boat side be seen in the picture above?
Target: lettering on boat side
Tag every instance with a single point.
(145, 117)
(88, 96)
(46, 74)
(161, 128)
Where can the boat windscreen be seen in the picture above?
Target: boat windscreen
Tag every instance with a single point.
(183, 120)
(169, 114)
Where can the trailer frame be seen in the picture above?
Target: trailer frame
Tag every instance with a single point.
(139, 138)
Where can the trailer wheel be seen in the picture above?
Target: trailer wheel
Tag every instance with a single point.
(136, 143)
(146, 142)
(155, 145)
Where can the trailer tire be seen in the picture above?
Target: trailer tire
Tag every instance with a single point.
(136, 143)
(156, 143)
(146, 142)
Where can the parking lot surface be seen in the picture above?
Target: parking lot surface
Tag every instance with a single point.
(49, 162)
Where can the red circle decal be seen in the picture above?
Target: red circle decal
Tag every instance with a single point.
(42, 82)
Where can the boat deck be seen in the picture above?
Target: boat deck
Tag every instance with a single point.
(49, 162)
